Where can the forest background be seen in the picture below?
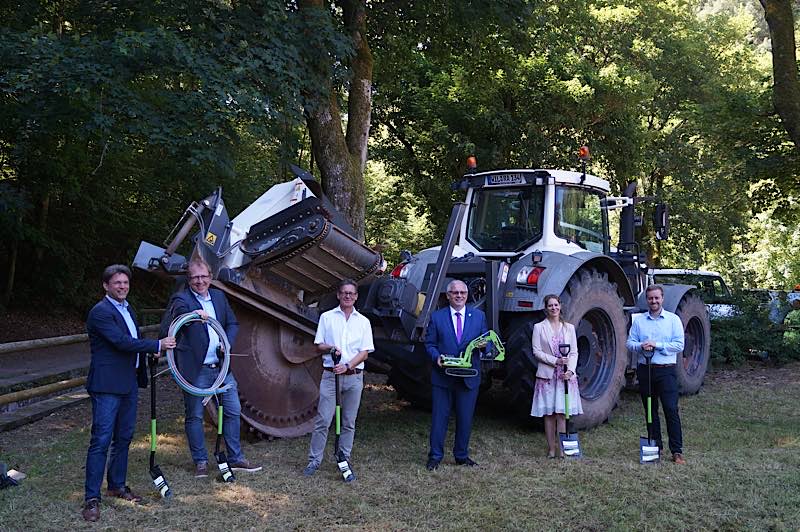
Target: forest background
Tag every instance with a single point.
(115, 115)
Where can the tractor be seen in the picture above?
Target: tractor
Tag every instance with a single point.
(519, 236)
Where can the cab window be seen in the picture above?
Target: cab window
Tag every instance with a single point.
(580, 219)
(506, 219)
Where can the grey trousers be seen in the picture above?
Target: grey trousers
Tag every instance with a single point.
(350, 387)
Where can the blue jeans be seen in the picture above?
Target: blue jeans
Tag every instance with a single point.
(665, 389)
(231, 412)
(113, 422)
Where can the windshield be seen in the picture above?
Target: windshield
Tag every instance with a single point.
(580, 219)
(505, 219)
(711, 288)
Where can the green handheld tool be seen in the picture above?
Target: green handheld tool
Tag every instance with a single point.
(461, 366)
(341, 462)
(570, 445)
(155, 471)
(649, 453)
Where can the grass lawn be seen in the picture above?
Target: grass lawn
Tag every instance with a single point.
(741, 435)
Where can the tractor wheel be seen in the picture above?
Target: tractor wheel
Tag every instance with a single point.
(520, 363)
(696, 346)
(592, 304)
(412, 382)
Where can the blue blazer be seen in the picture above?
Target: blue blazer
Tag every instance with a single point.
(440, 339)
(114, 350)
(193, 338)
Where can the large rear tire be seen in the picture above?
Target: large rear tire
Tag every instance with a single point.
(593, 305)
(693, 364)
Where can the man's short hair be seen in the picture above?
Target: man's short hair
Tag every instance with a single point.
(113, 270)
(454, 281)
(198, 262)
(653, 288)
(346, 282)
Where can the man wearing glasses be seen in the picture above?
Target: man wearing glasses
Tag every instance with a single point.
(450, 331)
(197, 357)
(348, 333)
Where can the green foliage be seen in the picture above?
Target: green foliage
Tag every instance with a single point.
(392, 225)
(751, 334)
(114, 116)
(664, 93)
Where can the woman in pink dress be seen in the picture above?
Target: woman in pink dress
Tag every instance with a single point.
(553, 371)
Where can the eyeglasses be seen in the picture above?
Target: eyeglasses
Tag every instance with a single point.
(458, 293)
(348, 294)
(199, 277)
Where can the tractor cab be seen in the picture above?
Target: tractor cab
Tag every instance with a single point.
(512, 212)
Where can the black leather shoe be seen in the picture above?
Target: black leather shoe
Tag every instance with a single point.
(433, 465)
(467, 462)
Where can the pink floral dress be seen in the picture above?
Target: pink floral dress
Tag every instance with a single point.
(548, 394)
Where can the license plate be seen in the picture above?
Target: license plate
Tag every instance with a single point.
(505, 179)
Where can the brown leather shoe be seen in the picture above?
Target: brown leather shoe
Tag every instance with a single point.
(124, 493)
(678, 459)
(201, 470)
(91, 510)
(245, 465)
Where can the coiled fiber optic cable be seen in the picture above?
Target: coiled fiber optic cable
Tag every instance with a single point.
(216, 387)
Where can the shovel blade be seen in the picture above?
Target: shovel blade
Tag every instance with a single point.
(344, 468)
(160, 482)
(226, 474)
(648, 451)
(570, 444)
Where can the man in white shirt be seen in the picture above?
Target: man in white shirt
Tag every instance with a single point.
(349, 334)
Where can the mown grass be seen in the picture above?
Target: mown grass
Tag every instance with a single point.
(742, 441)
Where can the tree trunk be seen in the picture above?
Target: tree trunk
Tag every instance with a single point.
(42, 224)
(341, 156)
(12, 272)
(786, 88)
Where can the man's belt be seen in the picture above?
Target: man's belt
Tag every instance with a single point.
(212, 366)
(348, 372)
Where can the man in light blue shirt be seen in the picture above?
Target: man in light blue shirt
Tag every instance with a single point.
(660, 332)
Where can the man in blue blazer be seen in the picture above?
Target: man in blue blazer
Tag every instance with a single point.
(450, 330)
(197, 357)
(118, 362)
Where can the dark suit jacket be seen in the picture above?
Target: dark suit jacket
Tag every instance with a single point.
(193, 338)
(114, 350)
(440, 339)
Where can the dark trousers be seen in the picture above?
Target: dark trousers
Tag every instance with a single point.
(665, 389)
(113, 422)
(463, 400)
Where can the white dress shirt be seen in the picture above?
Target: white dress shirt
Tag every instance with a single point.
(463, 313)
(350, 335)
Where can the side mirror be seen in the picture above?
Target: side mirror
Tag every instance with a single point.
(661, 221)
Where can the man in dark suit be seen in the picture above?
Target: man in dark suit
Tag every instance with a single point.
(118, 362)
(197, 357)
(450, 330)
